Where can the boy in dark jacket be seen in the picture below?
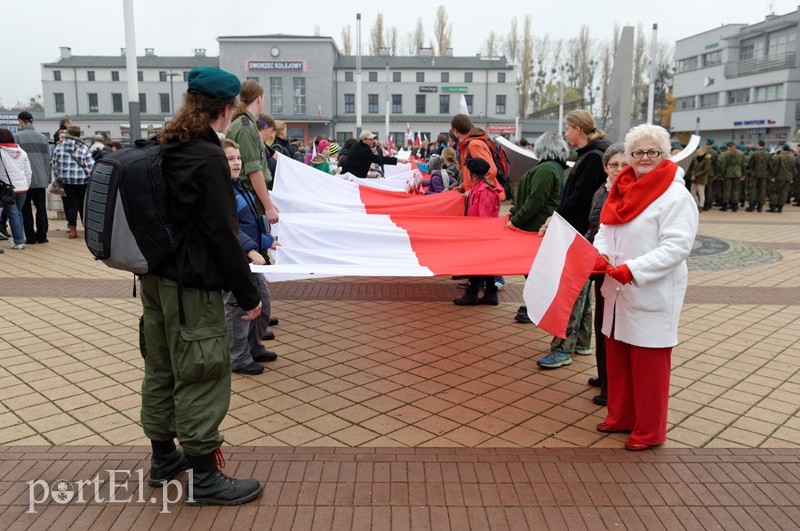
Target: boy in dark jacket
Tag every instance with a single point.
(244, 337)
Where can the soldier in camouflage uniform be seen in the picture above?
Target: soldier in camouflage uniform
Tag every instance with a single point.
(758, 174)
(711, 187)
(732, 173)
(783, 170)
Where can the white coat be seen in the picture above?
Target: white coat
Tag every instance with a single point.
(16, 163)
(654, 245)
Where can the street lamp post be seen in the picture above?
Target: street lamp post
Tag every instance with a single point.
(171, 92)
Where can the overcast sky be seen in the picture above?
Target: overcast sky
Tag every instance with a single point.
(175, 27)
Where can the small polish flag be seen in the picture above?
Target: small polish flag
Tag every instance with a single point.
(463, 107)
(560, 269)
(319, 111)
(418, 140)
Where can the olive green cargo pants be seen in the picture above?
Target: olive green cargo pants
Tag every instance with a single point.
(187, 369)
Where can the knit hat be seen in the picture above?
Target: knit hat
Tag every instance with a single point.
(478, 167)
(435, 162)
(214, 82)
(321, 145)
(334, 148)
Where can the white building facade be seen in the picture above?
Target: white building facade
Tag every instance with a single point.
(308, 83)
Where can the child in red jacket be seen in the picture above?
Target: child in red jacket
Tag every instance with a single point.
(483, 201)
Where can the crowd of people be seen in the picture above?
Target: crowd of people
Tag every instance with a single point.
(206, 315)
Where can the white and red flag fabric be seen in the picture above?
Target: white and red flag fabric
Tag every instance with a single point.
(563, 263)
(409, 136)
(463, 108)
(334, 227)
(418, 140)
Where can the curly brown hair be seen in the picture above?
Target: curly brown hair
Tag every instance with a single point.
(194, 117)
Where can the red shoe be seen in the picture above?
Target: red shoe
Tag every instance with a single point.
(608, 428)
(635, 446)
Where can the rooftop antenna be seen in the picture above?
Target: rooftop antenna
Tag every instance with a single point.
(772, 7)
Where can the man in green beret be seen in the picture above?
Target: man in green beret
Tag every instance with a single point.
(183, 335)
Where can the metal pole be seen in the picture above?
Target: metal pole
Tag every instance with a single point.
(171, 94)
(358, 74)
(651, 95)
(388, 108)
(131, 68)
(561, 100)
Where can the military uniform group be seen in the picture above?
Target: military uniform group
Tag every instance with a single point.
(738, 176)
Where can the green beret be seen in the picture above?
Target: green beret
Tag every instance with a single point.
(710, 141)
(214, 82)
(762, 143)
(786, 147)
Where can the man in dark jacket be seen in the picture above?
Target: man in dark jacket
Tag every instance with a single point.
(187, 366)
(35, 145)
(360, 156)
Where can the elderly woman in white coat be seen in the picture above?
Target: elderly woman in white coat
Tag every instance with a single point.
(648, 226)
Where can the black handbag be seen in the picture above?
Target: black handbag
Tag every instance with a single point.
(7, 195)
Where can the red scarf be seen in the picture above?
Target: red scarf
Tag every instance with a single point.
(629, 196)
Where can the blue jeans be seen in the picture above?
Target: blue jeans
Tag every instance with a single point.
(14, 213)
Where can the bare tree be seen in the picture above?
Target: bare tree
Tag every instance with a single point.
(419, 38)
(639, 65)
(664, 103)
(376, 41)
(513, 43)
(347, 40)
(393, 40)
(606, 63)
(541, 68)
(525, 67)
(490, 47)
(442, 31)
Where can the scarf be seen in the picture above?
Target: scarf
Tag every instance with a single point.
(629, 196)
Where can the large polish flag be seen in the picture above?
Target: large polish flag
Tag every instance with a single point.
(562, 265)
(333, 227)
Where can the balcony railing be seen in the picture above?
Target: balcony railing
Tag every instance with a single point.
(758, 65)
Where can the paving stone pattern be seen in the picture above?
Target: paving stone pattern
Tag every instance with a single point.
(390, 407)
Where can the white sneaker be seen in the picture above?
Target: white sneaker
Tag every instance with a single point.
(498, 285)
(18, 246)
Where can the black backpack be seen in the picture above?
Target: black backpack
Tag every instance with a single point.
(128, 222)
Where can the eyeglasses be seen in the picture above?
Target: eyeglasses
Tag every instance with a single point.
(651, 153)
(616, 165)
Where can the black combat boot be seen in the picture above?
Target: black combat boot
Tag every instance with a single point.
(735, 207)
(470, 298)
(759, 206)
(208, 486)
(724, 208)
(489, 296)
(166, 462)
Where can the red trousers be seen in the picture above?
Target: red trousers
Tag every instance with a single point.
(638, 390)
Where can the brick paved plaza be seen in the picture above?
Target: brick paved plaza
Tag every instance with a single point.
(390, 407)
